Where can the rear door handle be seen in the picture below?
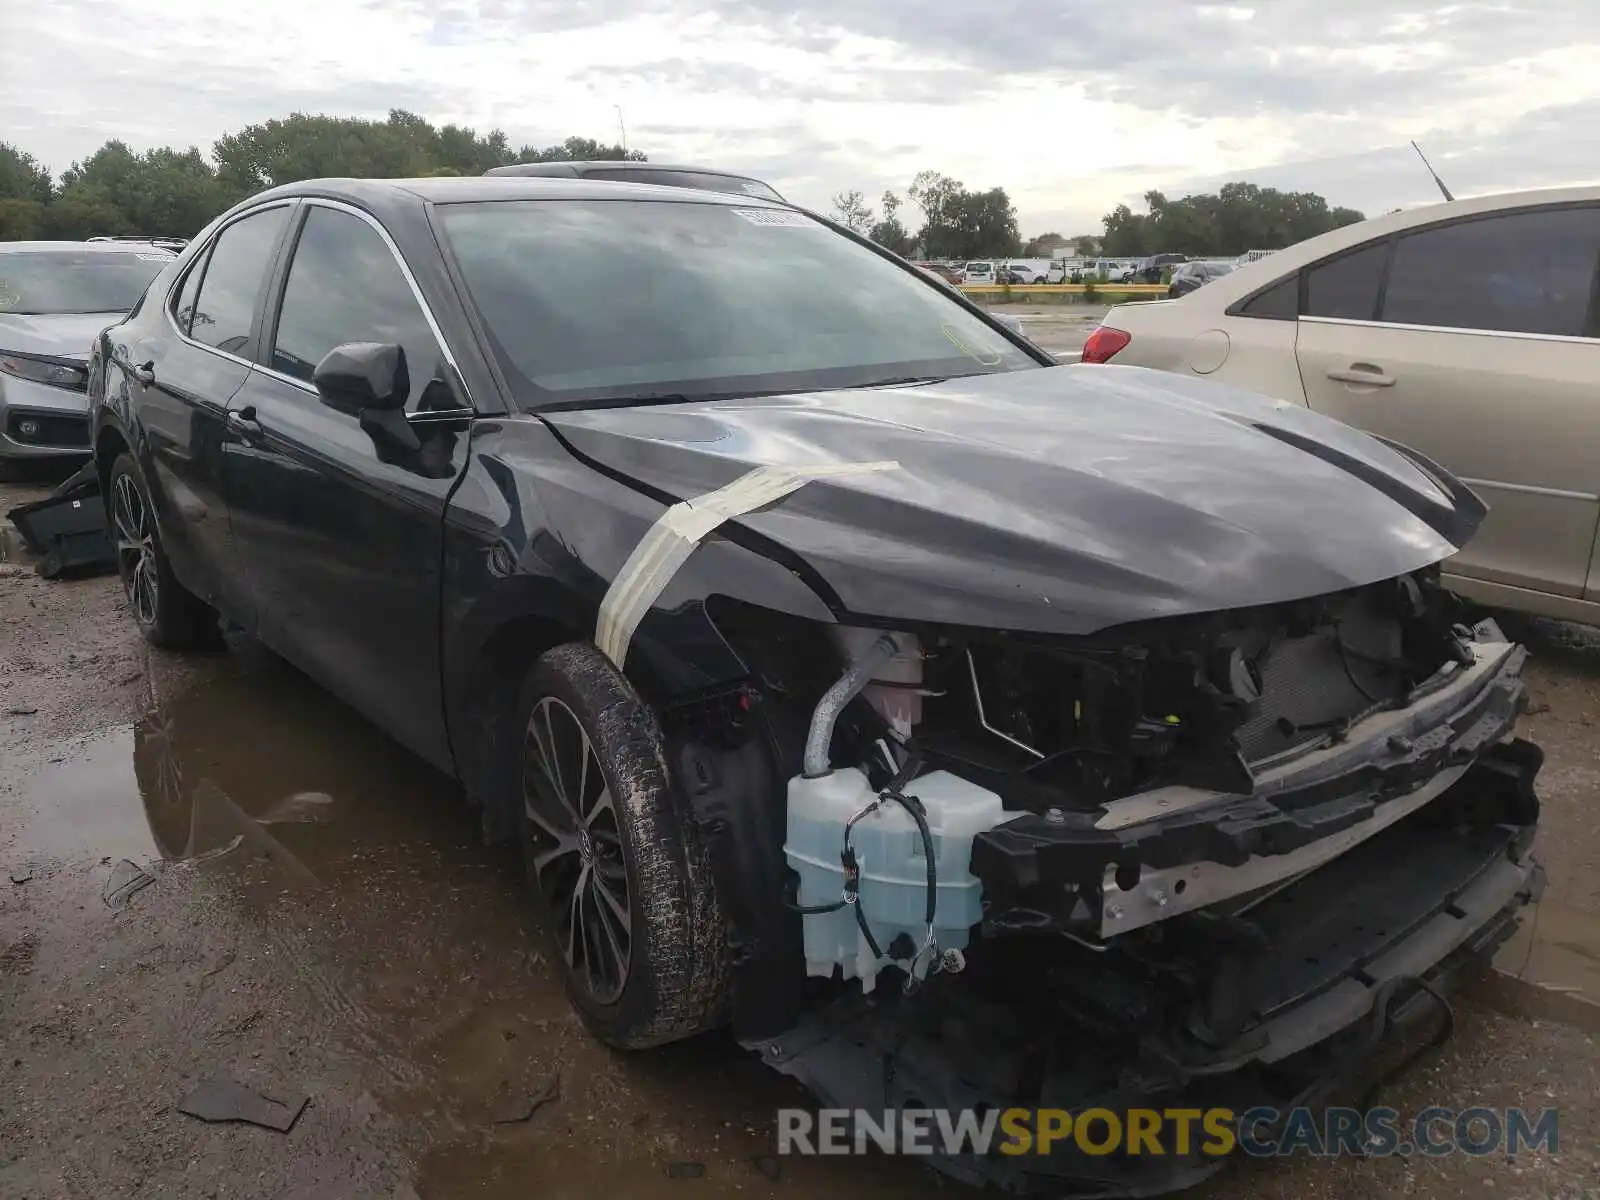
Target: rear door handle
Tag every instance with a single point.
(1364, 374)
(145, 372)
(243, 423)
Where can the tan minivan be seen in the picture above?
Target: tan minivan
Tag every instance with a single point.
(1469, 331)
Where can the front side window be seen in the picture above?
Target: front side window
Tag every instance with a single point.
(345, 285)
(1527, 272)
(721, 301)
(230, 290)
(52, 282)
(1347, 286)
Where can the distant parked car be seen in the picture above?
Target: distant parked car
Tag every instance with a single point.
(55, 298)
(707, 179)
(1469, 330)
(978, 273)
(1015, 274)
(1149, 269)
(943, 270)
(1187, 277)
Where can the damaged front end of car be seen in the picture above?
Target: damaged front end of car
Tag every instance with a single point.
(1206, 860)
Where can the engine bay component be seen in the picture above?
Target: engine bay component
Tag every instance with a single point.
(844, 843)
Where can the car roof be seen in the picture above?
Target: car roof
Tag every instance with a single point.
(564, 169)
(1248, 277)
(58, 247)
(464, 189)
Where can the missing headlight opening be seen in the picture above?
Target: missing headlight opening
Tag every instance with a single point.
(1203, 844)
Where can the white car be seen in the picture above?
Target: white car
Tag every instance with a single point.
(978, 273)
(1468, 331)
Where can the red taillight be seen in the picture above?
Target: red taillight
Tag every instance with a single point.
(1103, 343)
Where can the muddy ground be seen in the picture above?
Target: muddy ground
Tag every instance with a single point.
(320, 919)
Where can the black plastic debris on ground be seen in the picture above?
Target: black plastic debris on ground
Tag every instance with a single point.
(686, 1170)
(514, 1108)
(21, 875)
(127, 879)
(221, 1098)
(66, 531)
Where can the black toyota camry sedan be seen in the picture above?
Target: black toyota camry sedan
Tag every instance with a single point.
(965, 730)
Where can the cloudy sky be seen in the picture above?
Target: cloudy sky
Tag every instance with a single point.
(1072, 105)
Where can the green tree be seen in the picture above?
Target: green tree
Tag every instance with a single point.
(958, 223)
(161, 193)
(987, 223)
(577, 149)
(85, 211)
(1238, 217)
(1085, 245)
(889, 232)
(21, 176)
(21, 220)
(169, 192)
(852, 211)
(938, 197)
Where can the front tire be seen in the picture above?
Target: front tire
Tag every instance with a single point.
(613, 857)
(167, 613)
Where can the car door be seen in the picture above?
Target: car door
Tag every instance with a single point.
(1474, 341)
(182, 370)
(340, 534)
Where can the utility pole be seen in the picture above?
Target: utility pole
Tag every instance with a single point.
(622, 128)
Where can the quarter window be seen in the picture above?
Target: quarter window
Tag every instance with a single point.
(225, 311)
(1525, 272)
(346, 286)
(1280, 301)
(1347, 286)
(183, 309)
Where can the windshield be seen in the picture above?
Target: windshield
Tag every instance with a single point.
(68, 281)
(718, 300)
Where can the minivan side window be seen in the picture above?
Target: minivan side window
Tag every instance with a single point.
(345, 285)
(225, 310)
(1519, 272)
(1347, 286)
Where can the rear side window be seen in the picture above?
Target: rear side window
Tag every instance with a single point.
(1281, 301)
(183, 307)
(224, 312)
(1527, 272)
(345, 285)
(1347, 286)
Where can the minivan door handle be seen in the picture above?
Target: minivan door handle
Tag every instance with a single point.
(1364, 374)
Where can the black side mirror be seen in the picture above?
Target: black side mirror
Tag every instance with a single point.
(369, 381)
(361, 376)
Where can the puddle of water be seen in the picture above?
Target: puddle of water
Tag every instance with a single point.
(257, 764)
(88, 802)
(1550, 970)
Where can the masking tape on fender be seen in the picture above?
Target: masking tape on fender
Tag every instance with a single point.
(670, 541)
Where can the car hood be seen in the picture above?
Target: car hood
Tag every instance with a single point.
(1062, 499)
(60, 335)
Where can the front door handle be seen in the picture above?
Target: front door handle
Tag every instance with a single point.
(243, 423)
(1364, 374)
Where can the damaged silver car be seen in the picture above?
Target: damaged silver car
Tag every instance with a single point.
(964, 730)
